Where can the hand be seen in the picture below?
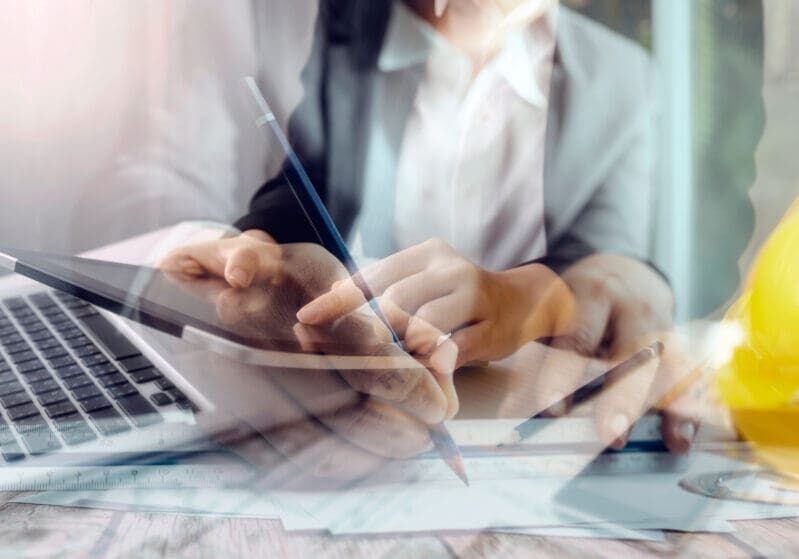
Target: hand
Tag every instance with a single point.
(280, 280)
(429, 290)
(621, 306)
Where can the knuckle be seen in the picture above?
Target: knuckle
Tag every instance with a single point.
(581, 340)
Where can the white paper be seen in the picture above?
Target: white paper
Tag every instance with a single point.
(506, 494)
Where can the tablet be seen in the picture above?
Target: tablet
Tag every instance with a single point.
(256, 325)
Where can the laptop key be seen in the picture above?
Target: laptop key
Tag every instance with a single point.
(11, 451)
(102, 370)
(71, 333)
(52, 397)
(161, 399)
(145, 375)
(42, 300)
(62, 408)
(37, 376)
(118, 345)
(68, 372)
(59, 362)
(6, 436)
(22, 412)
(186, 405)
(74, 429)
(41, 335)
(164, 384)
(141, 412)
(122, 390)
(135, 364)
(112, 380)
(78, 381)
(11, 388)
(79, 341)
(12, 338)
(93, 360)
(13, 400)
(53, 352)
(86, 350)
(23, 357)
(176, 394)
(47, 343)
(95, 404)
(40, 439)
(15, 303)
(86, 393)
(108, 421)
(35, 328)
(18, 347)
(43, 386)
(84, 312)
(30, 366)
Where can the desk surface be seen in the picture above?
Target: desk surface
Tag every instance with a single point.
(42, 531)
(38, 531)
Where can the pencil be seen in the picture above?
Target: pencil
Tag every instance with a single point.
(449, 451)
(529, 427)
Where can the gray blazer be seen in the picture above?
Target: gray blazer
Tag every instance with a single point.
(598, 182)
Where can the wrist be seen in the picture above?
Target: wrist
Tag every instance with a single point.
(544, 299)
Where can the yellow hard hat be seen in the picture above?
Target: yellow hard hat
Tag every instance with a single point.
(760, 382)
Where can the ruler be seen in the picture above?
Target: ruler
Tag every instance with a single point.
(86, 478)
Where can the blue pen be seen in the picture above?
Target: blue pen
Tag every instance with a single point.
(313, 207)
(327, 232)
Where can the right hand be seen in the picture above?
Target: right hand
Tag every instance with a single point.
(257, 284)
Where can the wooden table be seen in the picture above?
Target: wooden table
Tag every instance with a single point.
(46, 531)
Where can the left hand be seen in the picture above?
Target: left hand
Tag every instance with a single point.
(622, 306)
(430, 290)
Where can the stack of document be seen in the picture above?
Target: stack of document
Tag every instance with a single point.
(508, 494)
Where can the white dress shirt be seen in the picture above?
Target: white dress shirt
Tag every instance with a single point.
(470, 166)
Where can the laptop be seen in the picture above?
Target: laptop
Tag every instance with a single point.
(82, 383)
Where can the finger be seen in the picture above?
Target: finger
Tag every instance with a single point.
(624, 400)
(413, 388)
(470, 342)
(631, 393)
(441, 316)
(678, 432)
(566, 366)
(234, 306)
(412, 292)
(344, 298)
(415, 391)
(380, 276)
(442, 366)
(239, 260)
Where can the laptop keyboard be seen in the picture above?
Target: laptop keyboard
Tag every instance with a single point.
(68, 376)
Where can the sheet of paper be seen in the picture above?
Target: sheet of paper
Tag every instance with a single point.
(505, 494)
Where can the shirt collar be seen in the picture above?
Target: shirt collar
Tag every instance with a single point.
(410, 41)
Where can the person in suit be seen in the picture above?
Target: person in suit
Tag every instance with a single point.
(493, 157)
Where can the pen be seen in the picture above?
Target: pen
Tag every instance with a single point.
(331, 239)
(528, 428)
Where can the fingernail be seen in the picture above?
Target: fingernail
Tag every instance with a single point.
(240, 277)
(687, 431)
(619, 425)
(306, 314)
